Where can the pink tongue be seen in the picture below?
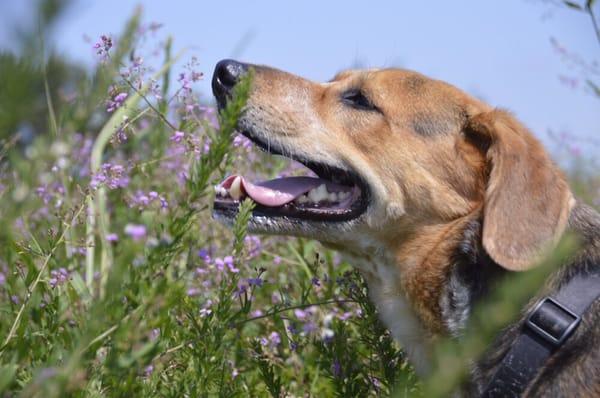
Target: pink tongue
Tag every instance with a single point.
(279, 191)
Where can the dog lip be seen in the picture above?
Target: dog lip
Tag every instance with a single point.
(321, 169)
(291, 210)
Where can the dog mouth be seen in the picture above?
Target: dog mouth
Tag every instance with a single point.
(336, 194)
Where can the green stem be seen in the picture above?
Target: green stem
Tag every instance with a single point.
(31, 288)
(293, 307)
(97, 203)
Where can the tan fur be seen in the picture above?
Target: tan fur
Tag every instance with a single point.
(433, 158)
(527, 199)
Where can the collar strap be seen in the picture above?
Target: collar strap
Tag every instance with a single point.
(547, 327)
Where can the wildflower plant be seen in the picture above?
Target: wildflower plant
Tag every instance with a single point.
(115, 280)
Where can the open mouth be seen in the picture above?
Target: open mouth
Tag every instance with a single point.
(334, 195)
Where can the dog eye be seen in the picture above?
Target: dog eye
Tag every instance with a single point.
(358, 100)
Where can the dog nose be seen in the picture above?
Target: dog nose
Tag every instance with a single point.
(227, 73)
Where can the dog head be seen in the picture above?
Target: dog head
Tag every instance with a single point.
(399, 151)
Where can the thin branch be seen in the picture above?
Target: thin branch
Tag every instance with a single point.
(294, 307)
(590, 12)
(37, 280)
(159, 113)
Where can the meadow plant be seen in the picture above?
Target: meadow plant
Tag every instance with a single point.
(115, 280)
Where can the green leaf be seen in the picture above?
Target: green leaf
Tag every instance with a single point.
(7, 374)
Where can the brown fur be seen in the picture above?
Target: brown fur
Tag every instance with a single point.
(440, 165)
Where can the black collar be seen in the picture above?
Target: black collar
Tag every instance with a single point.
(545, 330)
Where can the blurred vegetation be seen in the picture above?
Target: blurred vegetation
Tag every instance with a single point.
(145, 294)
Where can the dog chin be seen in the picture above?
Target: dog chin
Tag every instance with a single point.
(324, 231)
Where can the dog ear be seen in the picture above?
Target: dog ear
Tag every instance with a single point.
(527, 199)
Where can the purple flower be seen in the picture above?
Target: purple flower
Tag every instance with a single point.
(2, 279)
(253, 245)
(292, 329)
(219, 263)
(257, 282)
(241, 141)
(112, 237)
(300, 314)
(345, 316)
(58, 277)
(120, 97)
(177, 136)
(103, 46)
(193, 291)
(228, 260)
(274, 339)
(242, 289)
(336, 369)
(256, 313)
(203, 254)
(142, 200)
(111, 175)
(135, 231)
(309, 327)
(148, 370)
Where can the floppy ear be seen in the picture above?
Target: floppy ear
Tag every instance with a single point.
(527, 199)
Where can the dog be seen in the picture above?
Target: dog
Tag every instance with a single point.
(432, 194)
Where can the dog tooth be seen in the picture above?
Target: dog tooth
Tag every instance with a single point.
(333, 197)
(318, 194)
(313, 195)
(302, 199)
(235, 190)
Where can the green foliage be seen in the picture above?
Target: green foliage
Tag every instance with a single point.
(85, 315)
(117, 282)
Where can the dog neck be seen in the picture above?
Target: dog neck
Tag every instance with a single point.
(425, 286)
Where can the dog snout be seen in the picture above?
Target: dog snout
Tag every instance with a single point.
(227, 73)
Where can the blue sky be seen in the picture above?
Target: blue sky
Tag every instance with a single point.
(499, 51)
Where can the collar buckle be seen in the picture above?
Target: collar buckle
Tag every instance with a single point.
(552, 321)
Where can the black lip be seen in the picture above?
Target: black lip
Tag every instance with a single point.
(332, 173)
(229, 207)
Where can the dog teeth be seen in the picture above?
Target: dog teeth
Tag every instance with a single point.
(235, 190)
(220, 191)
(303, 199)
(320, 194)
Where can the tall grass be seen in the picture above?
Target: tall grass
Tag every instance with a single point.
(115, 281)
